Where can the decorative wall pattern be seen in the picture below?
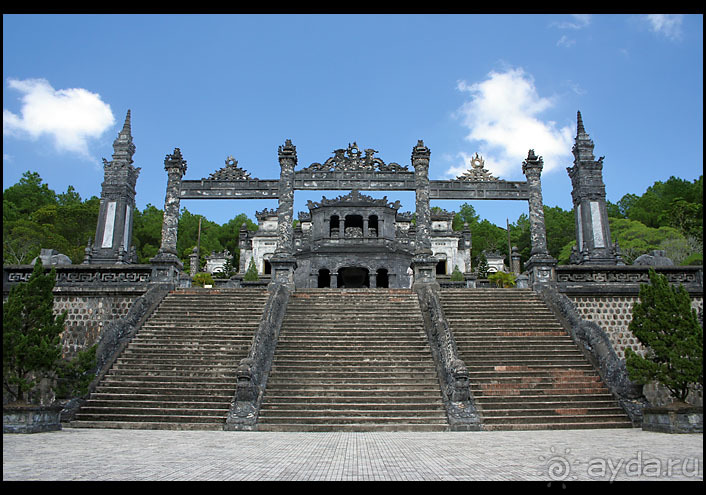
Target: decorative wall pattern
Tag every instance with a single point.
(613, 314)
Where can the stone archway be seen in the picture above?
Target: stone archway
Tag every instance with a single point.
(353, 277)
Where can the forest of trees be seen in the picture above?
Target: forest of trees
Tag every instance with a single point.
(667, 216)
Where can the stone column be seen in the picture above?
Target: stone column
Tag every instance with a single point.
(541, 266)
(167, 261)
(423, 262)
(593, 237)
(515, 260)
(113, 239)
(283, 262)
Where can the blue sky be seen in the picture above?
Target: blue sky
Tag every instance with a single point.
(240, 85)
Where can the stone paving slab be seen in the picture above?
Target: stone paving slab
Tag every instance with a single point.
(159, 455)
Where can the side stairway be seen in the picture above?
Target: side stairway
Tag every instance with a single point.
(525, 370)
(179, 370)
(353, 360)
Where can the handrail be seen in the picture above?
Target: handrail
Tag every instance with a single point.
(253, 370)
(458, 399)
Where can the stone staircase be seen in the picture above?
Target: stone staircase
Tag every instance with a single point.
(525, 370)
(178, 372)
(353, 360)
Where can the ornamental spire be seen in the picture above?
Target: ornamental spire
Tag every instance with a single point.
(583, 145)
(123, 147)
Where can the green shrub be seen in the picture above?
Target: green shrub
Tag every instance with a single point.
(251, 275)
(666, 324)
(31, 342)
(502, 279)
(201, 279)
(456, 275)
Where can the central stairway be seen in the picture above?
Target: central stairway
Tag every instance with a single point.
(353, 360)
(179, 371)
(525, 370)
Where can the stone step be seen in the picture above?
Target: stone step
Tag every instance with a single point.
(524, 369)
(156, 416)
(333, 426)
(352, 364)
(179, 372)
(147, 425)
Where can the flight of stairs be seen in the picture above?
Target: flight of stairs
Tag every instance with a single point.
(525, 370)
(179, 371)
(353, 360)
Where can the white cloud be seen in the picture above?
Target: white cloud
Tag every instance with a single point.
(70, 117)
(668, 25)
(565, 41)
(502, 117)
(579, 21)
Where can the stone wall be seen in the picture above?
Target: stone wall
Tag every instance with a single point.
(613, 314)
(92, 295)
(87, 315)
(606, 295)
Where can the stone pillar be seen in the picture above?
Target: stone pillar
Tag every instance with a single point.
(423, 262)
(515, 260)
(593, 238)
(541, 266)
(194, 262)
(113, 237)
(420, 162)
(283, 262)
(166, 263)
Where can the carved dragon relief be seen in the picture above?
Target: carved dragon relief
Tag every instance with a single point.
(477, 172)
(231, 171)
(350, 160)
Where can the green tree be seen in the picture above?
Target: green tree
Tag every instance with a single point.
(229, 235)
(502, 279)
(635, 238)
(560, 226)
(188, 236)
(147, 232)
(30, 333)
(482, 266)
(251, 274)
(466, 214)
(665, 323)
(202, 278)
(25, 197)
(74, 376)
(520, 237)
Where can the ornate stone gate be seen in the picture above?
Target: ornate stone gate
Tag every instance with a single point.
(351, 169)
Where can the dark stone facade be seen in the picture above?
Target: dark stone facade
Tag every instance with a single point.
(593, 240)
(356, 241)
(113, 239)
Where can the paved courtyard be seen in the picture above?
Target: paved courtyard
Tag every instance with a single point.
(551, 456)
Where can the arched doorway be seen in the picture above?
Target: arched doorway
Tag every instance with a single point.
(324, 278)
(382, 280)
(353, 277)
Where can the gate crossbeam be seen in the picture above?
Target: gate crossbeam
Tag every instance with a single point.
(363, 181)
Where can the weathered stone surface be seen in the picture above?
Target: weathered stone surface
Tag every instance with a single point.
(596, 345)
(254, 370)
(113, 239)
(674, 420)
(31, 419)
(593, 239)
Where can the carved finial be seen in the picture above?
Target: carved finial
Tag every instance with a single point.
(123, 148)
(579, 124)
(127, 124)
